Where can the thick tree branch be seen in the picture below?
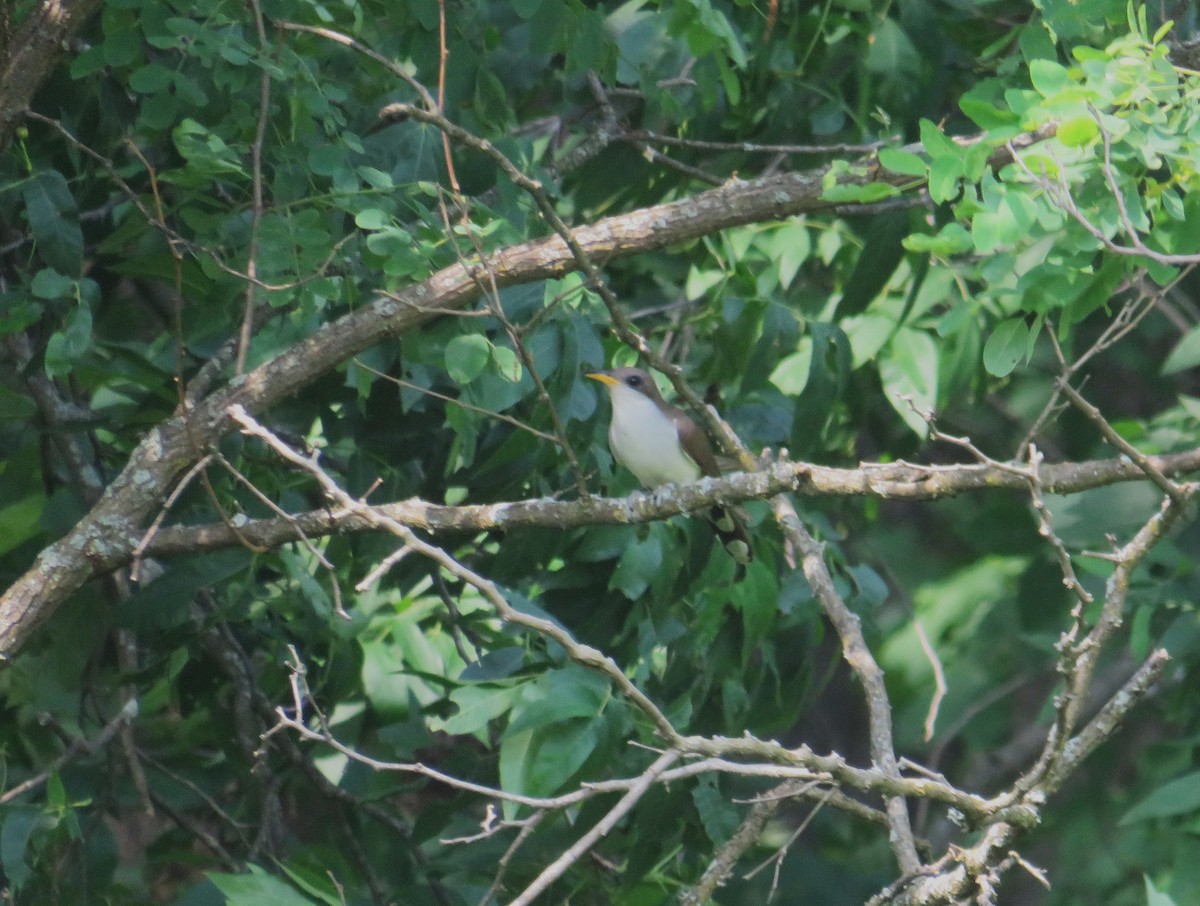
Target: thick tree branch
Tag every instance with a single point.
(36, 46)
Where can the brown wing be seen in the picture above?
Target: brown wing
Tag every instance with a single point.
(695, 444)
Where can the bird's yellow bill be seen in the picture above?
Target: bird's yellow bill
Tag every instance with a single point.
(602, 378)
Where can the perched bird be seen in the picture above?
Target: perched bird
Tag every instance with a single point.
(660, 444)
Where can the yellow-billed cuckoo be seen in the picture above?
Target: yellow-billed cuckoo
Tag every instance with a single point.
(660, 444)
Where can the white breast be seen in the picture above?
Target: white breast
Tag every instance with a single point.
(645, 441)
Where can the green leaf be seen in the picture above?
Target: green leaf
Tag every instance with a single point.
(883, 250)
(373, 219)
(952, 239)
(891, 52)
(151, 78)
(900, 161)
(327, 160)
(122, 41)
(88, 61)
(509, 366)
(1156, 897)
(638, 566)
(17, 311)
(56, 793)
(559, 695)
(68, 344)
(159, 111)
(1186, 353)
(466, 357)
(1078, 131)
(537, 762)
(257, 888)
(206, 151)
(388, 676)
(515, 752)
(992, 230)
(491, 99)
(828, 372)
(945, 173)
(863, 194)
(791, 373)
(986, 114)
(476, 706)
(1006, 346)
(1180, 796)
(908, 369)
(21, 521)
(316, 880)
(755, 596)
(719, 817)
(499, 663)
(19, 824)
(935, 141)
(559, 751)
(54, 221)
(50, 284)
(1049, 77)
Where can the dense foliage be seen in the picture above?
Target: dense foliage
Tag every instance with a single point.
(291, 279)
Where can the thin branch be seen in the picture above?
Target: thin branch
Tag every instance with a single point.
(939, 679)
(390, 65)
(502, 865)
(642, 135)
(1046, 530)
(1079, 656)
(128, 712)
(1144, 462)
(858, 655)
(1102, 726)
(886, 481)
(555, 869)
(256, 211)
(657, 157)
(721, 866)
(443, 56)
(465, 406)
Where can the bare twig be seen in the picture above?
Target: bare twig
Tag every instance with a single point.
(1144, 462)
(555, 869)
(723, 861)
(641, 135)
(256, 211)
(939, 679)
(77, 747)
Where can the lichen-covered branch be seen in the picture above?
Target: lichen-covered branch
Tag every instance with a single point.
(886, 481)
(32, 50)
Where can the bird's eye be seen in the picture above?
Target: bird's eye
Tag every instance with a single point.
(634, 380)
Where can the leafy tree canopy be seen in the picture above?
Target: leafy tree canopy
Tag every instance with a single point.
(322, 585)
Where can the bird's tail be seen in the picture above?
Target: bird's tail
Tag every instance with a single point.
(731, 531)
